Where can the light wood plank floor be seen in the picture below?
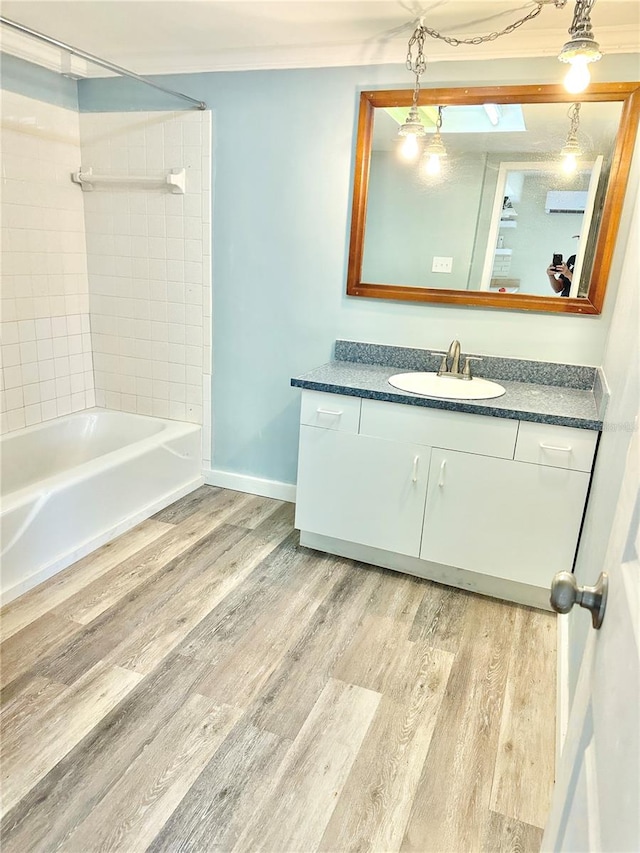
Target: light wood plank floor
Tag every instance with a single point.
(203, 683)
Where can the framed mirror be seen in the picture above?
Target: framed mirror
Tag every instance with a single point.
(504, 219)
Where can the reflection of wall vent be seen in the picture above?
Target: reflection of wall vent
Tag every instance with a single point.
(566, 201)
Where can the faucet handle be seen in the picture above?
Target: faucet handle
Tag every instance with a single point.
(444, 367)
(466, 371)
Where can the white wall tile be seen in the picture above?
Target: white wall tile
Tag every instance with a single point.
(45, 285)
(135, 259)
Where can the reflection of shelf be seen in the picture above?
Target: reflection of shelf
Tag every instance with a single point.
(508, 223)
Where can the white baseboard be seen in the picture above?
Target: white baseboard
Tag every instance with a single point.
(562, 686)
(253, 485)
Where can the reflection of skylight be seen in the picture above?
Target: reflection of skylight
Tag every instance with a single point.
(468, 118)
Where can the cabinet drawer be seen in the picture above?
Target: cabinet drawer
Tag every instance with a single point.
(559, 447)
(451, 430)
(331, 411)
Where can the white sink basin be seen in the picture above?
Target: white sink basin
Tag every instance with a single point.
(446, 387)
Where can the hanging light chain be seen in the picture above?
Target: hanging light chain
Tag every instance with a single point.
(581, 23)
(574, 117)
(418, 66)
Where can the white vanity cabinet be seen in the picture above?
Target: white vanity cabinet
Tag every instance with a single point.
(490, 504)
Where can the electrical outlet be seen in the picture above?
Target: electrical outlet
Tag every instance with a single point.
(442, 264)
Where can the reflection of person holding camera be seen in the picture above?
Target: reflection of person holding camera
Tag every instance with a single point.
(561, 274)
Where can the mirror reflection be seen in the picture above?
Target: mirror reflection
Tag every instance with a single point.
(494, 200)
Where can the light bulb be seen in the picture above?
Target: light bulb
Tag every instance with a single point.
(569, 164)
(578, 76)
(409, 149)
(432, 166)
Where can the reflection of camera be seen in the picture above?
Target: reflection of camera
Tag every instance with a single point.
(557, 260)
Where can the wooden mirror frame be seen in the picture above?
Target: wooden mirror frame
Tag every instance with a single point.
(628, 94)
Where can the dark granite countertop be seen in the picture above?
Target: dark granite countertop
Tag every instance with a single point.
(526, 401)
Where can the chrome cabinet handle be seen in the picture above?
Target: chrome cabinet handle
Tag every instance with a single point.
(565, 592)
(414, 476)
(442, 467)
(555, 447)
(328, 412)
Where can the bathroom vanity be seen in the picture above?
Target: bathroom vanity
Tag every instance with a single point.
(485, 495)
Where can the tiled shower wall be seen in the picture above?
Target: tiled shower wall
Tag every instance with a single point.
(148, 253)
(46, 343)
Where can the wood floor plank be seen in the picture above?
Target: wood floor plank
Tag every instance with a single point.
(138, 611)
(398, 597)
(313, 772)
(371, 658)
(451, 805)
(44, 818)
(32, 644)
(226, 795)
(282, 573)
(139, 804)
(38, 601)
(18, 712)
(254, 512)
(505, 835)
(253, 631)
(523, 776)
(63, 724)
(195, 501)
(441, 617)
(373, 809)
(211, 582)
(114, 585)
(293, 689)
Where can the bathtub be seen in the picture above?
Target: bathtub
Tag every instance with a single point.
(71, 484)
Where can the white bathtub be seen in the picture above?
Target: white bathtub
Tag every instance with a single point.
(70, 485)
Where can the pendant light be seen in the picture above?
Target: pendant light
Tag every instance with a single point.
(581, 49)
(571, 149)
(435, 150)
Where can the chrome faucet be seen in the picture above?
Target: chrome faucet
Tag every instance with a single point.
(454, 355)
(450, 364)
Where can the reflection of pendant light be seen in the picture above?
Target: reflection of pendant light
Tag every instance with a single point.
(571, 149)
(581, 49)
(435, 150)
(412, 130)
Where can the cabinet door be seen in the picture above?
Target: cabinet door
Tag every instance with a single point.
(510, 519)
(362, 489)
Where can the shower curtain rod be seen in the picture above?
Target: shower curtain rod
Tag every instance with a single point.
(103, 63)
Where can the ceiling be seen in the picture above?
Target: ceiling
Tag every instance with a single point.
(165, 36)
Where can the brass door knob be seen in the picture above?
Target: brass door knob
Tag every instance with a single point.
(565, 592)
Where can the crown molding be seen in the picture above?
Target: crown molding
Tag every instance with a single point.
(518, 45)
(613, 40)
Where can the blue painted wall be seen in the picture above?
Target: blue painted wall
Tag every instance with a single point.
(412, 218)
(33, 81)
(283, 163)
